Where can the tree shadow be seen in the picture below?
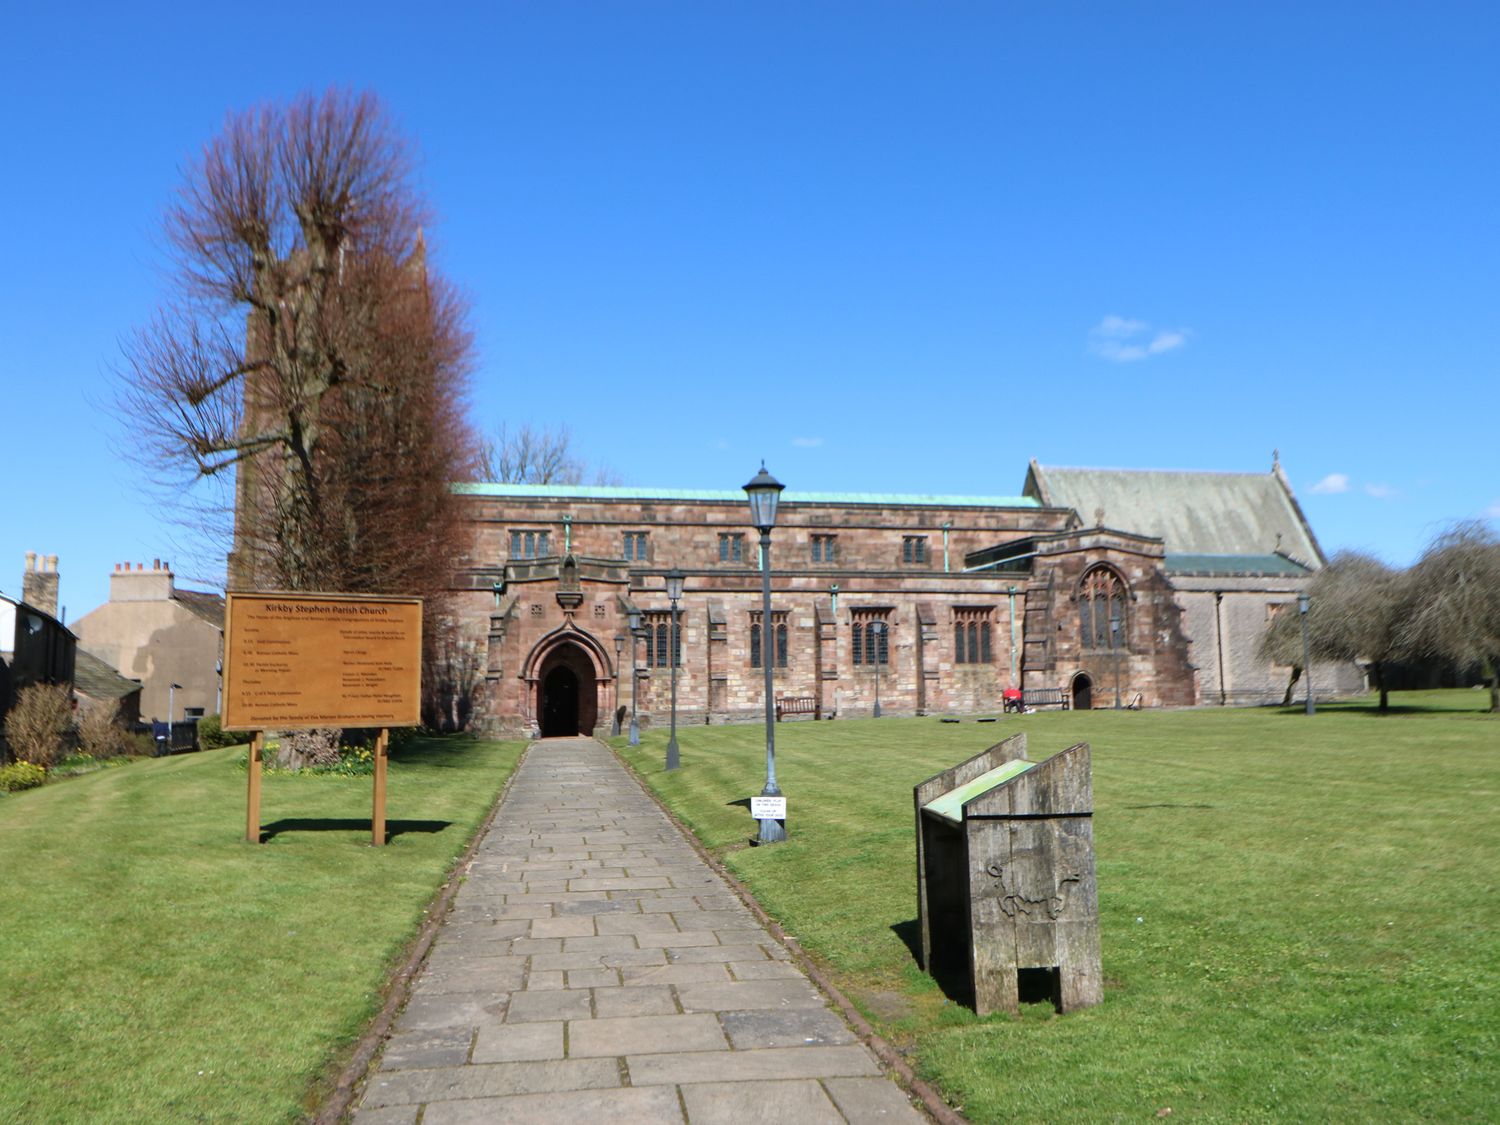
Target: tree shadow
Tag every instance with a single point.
(393, 828)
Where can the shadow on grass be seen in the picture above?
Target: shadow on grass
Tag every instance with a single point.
(1372, 711)
(393, 828)
(948, 968)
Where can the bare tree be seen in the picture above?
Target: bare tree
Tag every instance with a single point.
(533, 455)
(1281, 643)
(1453, 607)
(308, 349)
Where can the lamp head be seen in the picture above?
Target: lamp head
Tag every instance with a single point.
(674, 584)
(634, 617)
(764, 492)
(1302, 601)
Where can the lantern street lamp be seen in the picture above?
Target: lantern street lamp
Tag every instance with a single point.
(614, 730)
(1302, 606)
(172, 690)
(1114, 644)
(764, 491)
(877, 628)
(674, 591)
(634, 617)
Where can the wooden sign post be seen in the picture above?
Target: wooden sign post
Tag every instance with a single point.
(300, 661)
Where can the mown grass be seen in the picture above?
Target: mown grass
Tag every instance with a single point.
(155, 967)
(1299, 916)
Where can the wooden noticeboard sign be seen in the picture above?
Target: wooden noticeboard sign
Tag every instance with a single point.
(299, 661)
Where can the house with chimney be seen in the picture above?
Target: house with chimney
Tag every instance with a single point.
(35, 647)
(167, 638)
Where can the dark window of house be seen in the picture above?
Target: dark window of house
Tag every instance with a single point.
(872, 637)
(824, 548)
(914, 549)
(732, 548)
(778, 636)
(635, 546)
(1101, 610)
(971, 635)
(527, 544)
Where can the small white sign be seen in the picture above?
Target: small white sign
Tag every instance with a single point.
(768, 808)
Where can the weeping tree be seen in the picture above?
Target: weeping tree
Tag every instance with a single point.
(307, 352)
(1354, 610)
(1452, 611)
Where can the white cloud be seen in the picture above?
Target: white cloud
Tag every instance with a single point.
(1380, 491)
(1122, 339)
(720, 443)
(1493, 511)
(807, 442)
(1331, 484)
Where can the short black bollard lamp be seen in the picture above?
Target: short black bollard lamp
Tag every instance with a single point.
(674, 592)
(878, 628)
(764, 492)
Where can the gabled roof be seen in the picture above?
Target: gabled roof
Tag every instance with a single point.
(208, 606)
(97, 680)
(1234, 566)
(1195, 513)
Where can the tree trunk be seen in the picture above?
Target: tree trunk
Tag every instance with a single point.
(1385, 696)
(1291, 686)
(1488, 670)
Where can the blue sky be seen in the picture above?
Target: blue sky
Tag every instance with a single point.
(897, 247)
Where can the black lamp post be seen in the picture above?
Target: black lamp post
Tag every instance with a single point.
(634, 617)
(1114, 644)
(878, 629)
(764, 491)
(614, 731)
(674, 591)
(1302, 606)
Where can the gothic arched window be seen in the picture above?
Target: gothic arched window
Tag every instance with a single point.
(1102, 604)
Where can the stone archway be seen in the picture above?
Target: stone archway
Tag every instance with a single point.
(1083, 692)
(567, 696)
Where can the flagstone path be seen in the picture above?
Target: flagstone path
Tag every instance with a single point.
(594, 969)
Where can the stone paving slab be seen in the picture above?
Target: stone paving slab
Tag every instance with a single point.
(594, 968)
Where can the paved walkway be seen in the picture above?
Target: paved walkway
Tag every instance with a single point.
(595, 969)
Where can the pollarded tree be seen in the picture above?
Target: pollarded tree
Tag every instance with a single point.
(308, 349)
(1453, 607)
(532, 455)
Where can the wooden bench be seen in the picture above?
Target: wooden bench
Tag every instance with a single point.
(1046, 697)
(797, 705)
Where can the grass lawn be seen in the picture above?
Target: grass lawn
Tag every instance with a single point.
(1299, 916)
(155, 967)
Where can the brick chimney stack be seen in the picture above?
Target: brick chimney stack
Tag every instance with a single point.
(134, 583)
(39, 583)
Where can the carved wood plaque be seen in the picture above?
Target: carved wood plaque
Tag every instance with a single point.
(294, 661)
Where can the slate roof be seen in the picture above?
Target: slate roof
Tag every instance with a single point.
(1195, 513)
(1233, 566)
(97, 680)
(208, 606)
(737, 496)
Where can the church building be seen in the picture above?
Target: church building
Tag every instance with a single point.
(1109, 587)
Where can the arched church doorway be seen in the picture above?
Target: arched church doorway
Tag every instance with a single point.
(1083, 692)
(567, 694)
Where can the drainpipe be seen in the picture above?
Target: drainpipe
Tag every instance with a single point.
(1219, 639)
(946, 526)
(1012, 595)
(567, 535)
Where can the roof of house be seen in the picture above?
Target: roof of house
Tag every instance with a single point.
(97, 680)
(208, 606)
(737, 496)
(1233, 566)
(1195, 513)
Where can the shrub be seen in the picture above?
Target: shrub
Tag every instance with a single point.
(99, 732)
(21, 775)
(38, 726)
(212, 736)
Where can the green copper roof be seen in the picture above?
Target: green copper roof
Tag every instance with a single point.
(1225, 565)
(950, 805)
(737, 496)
